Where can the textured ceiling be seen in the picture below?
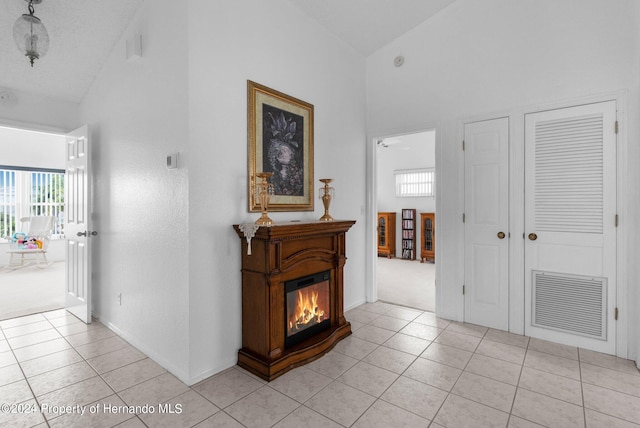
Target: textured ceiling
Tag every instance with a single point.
(368, 25)
(82, 34)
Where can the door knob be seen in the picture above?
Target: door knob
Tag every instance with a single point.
(501, 235)
(94, 233)
(533, 236)
(82, 233)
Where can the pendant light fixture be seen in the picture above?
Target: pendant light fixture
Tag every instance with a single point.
(30, 35)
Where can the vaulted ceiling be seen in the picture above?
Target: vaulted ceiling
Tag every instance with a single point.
(83, 33)
(367, 25)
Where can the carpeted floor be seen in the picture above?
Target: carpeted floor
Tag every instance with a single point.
(31, 290)
(407, 283)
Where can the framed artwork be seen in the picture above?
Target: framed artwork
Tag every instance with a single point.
(280, 134)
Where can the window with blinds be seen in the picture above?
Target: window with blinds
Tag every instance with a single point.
(415, 182)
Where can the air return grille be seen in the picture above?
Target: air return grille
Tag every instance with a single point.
(570, 303)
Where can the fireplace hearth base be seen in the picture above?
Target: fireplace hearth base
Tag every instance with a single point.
(298, 355)
(281, 253)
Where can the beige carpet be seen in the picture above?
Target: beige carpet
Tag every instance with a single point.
(31, 290)
(407, 283)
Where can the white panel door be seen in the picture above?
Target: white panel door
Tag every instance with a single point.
(486, 299)
(570, 235)
(78, 224)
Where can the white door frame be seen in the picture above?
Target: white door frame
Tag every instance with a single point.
(371, 223)
(32, 127)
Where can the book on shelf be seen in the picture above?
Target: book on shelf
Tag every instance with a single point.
(407, 254)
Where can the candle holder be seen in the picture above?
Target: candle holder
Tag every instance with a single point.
(326, 193)
(263, 191)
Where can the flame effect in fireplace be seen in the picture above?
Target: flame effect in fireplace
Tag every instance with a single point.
(307, 311)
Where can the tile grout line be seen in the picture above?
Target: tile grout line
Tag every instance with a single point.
(35, 398)
(47, 419)
(475, 353)
(584, 409)
(115, 393)
(431, 421)
(449, 393)
(518, 386)
(399, 374)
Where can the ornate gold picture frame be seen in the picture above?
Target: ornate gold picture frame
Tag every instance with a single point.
(280, 134)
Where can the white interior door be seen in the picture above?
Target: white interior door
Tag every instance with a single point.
(78, 224)
(486, 286)
(570, 242)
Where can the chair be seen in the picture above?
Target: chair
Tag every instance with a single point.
(33, 244)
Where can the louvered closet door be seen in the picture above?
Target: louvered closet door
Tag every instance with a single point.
(570, 236)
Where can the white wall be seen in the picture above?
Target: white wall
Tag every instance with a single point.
(137, 112)
(412, 151)
(274, 44)
(633, 234)
(31, 149)
(166, 240)
(496, 57)
(31, 111)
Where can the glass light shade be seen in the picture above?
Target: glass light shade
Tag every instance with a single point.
(31, 37)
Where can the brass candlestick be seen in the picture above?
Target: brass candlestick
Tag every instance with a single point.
(326, 193)
(264, 190)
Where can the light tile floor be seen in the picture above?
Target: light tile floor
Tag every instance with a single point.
(400, 368)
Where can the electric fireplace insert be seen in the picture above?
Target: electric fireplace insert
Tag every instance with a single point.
(307, 307)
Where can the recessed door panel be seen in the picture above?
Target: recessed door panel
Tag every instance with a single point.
(486, 223)
(77, 227)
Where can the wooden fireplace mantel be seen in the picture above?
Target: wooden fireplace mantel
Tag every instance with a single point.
(280, 253)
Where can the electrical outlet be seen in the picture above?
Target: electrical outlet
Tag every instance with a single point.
(120, 299)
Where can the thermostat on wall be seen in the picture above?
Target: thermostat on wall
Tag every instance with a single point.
(172, 161)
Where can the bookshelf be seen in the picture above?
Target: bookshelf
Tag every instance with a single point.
(408, 233)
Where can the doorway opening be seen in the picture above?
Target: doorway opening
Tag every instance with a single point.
(32, 166)
(405, 241)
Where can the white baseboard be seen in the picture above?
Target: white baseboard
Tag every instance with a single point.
(142, 347)
(355, 305)
(185, 378)
(208, 373)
